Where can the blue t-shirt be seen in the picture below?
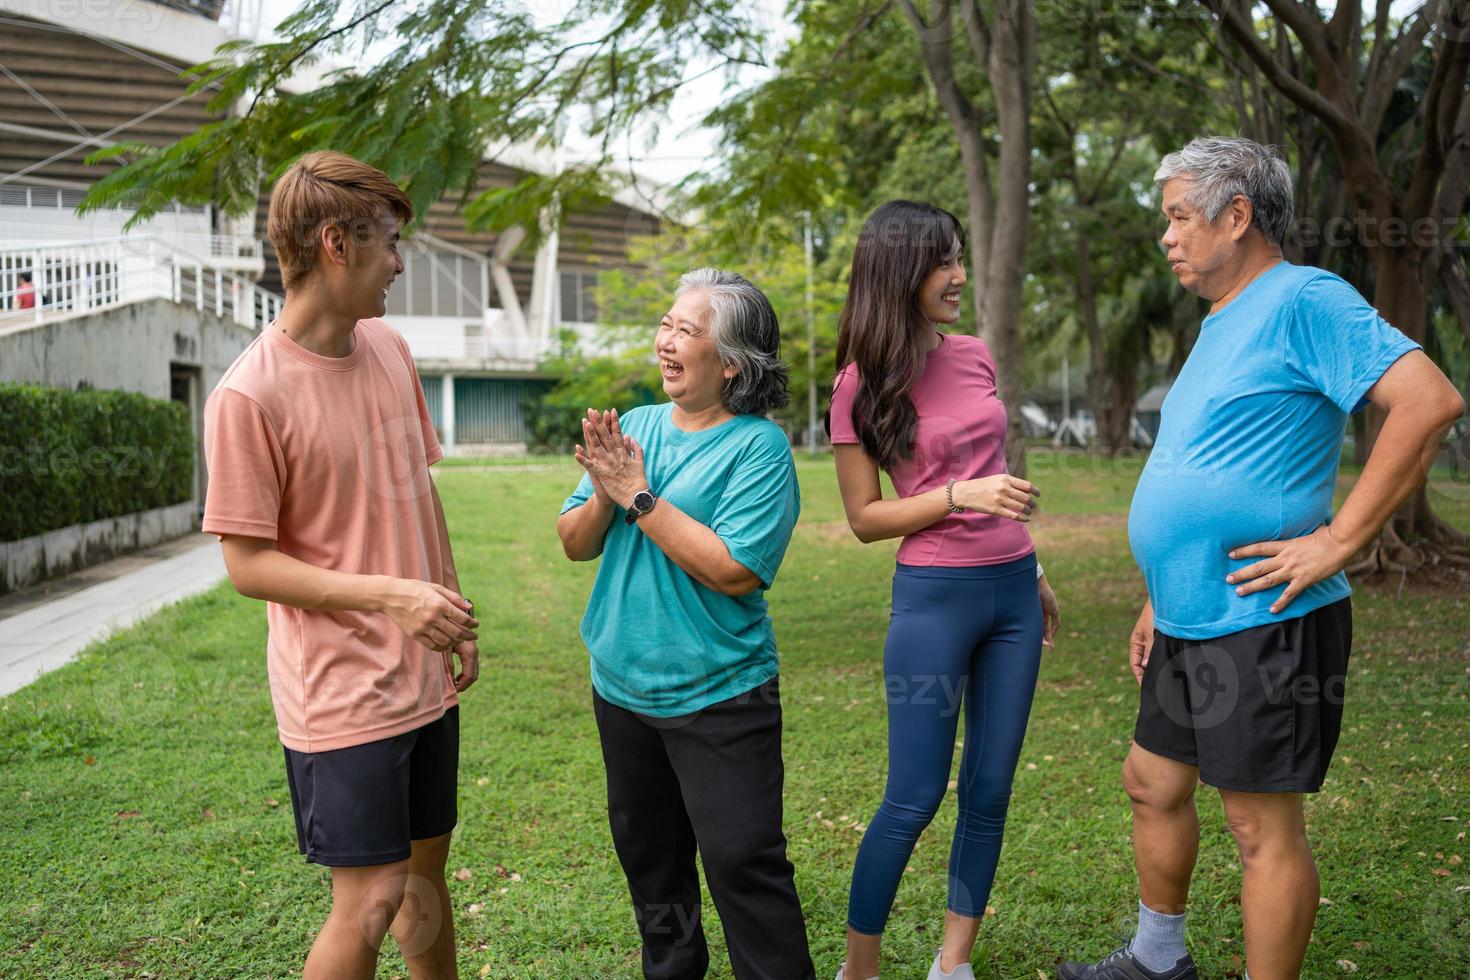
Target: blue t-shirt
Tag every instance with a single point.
(1249, 443)
(661, 643)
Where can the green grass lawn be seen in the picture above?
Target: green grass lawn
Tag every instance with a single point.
(145, 829)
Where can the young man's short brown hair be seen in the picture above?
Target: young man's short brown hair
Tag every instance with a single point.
(327, 188)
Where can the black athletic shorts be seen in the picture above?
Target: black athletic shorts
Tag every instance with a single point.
(363, 804)
(1257, 711)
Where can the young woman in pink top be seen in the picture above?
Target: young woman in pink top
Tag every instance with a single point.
(971, 607)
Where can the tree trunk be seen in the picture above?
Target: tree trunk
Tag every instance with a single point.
(1012, 53)
(1414, 536)
(999, 220)
(1115, 423)
(1104, 395)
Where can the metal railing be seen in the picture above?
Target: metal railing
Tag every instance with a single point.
(202, 245)
(61, 280)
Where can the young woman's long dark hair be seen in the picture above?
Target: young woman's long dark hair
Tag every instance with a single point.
(881, 324)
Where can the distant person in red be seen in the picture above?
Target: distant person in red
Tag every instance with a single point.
(25, 293)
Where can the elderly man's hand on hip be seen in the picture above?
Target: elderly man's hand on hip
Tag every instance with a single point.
(1299, 563)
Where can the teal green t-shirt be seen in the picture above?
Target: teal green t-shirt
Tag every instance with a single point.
(661, 643)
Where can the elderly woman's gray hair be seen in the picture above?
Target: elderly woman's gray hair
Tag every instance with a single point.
(743, 327)
(1219, 167)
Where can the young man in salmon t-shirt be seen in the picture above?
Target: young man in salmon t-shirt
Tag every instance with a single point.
(318, 443)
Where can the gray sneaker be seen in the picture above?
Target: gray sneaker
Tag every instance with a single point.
(1122, 965)
(961, 972)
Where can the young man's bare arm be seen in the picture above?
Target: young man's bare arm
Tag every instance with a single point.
(433, 615)
(469, 652)
(451, 574)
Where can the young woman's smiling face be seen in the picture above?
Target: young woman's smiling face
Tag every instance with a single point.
(939, 294)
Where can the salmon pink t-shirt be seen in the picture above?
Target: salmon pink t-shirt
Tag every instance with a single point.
(960, 435)
(329, 457)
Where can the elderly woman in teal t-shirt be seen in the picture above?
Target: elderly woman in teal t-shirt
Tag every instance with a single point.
(691, 505)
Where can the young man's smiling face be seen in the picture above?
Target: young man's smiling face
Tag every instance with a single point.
(375, 263)
(358, 264)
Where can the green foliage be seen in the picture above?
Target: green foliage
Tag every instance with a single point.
(622, 371)
(71, 457)
(458, 77)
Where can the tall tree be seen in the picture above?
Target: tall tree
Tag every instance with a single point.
(1406, 176)
(1098, 134)
(1002, 43)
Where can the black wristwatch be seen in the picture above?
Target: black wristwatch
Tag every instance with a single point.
(643, 502)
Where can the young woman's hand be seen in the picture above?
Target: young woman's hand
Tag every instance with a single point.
(1051, 613)
(1002, 495)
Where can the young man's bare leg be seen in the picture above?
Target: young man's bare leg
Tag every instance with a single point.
(364, 901)
(424, 928)
(1280, 891)
(1165, 827)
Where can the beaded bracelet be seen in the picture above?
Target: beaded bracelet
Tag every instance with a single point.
(949, 498)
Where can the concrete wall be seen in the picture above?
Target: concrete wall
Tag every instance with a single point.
(68, 549)
(131, 348)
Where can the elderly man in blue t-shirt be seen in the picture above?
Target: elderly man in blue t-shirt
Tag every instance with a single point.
(1241, 649)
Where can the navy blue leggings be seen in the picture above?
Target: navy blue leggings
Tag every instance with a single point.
(968, 636)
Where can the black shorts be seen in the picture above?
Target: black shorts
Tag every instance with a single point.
(1258, 711)
(363, 804)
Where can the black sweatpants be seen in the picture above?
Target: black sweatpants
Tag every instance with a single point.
(710, 781)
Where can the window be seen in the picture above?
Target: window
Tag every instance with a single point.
(578, 302)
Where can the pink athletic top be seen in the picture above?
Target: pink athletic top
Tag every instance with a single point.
(961, 435)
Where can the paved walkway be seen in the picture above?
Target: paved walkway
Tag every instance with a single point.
(45, 625)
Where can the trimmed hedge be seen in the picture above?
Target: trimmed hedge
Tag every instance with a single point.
(69, 457)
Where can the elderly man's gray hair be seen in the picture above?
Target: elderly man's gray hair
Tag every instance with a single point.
(1220, 167)
(746, 336)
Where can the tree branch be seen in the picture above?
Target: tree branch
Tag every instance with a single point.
(283, 71)
(1244, 34)
(1442, 101)
(979, 33)
(1389, 63)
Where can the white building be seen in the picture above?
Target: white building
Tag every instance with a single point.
(480, 310)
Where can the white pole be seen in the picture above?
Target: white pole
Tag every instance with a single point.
(811, 344)
(446, 412)
(1066, 389)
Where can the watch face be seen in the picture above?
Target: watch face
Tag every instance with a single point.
(642, 500)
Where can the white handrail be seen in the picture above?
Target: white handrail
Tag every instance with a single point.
(70, 279)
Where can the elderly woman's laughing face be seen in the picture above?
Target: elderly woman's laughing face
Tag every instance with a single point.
(693, 375)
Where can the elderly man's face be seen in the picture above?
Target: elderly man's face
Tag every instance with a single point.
(1197, 249)
(692, 372)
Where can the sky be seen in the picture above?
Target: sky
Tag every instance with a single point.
(681, 146)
